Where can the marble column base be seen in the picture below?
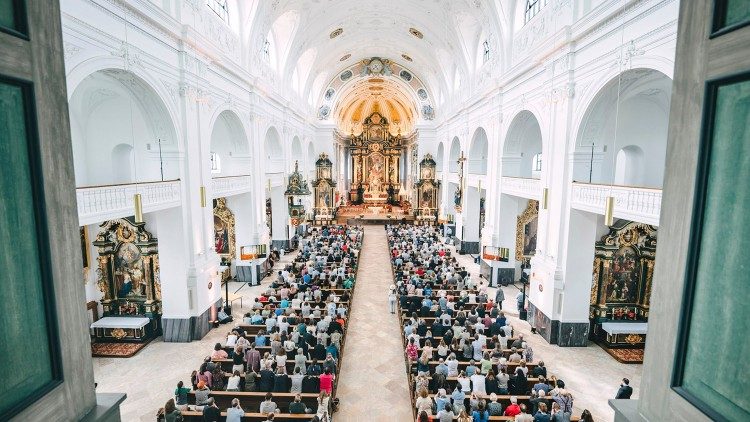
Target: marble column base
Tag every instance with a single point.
(280, 244)
(184, 330)
(468, 247)
(549, 329)
(564, 334)
(573, 334)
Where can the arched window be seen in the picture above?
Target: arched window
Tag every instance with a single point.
(486, 45)
(215, 163)
(536, 162)
(532, 8)
(219, 7)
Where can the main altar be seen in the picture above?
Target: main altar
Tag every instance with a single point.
(376, 162)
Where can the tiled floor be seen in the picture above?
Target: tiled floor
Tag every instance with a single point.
(373, 384)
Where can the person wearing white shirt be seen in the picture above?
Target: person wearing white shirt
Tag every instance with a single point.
(477, 383)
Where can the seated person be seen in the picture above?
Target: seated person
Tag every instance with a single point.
(268, 405)
(297, 407)
(223, 317)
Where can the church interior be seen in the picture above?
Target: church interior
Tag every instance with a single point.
(374, 210)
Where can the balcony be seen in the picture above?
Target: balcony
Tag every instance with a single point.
(631, 203)
(522, 187)
(101, 203)
(231, 185)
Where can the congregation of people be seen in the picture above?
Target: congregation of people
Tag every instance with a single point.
(285, 354)
(464, 359)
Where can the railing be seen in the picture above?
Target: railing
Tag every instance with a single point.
(637, 204)
(101, 203)
(231, 185)
(521, 186)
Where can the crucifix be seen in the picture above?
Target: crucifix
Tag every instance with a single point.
(458, 196)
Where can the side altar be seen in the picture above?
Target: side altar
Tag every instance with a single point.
(128, 277)
(376, 162)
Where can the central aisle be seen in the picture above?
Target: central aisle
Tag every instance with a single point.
(373, 384)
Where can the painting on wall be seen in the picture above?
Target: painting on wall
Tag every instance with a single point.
(625, 276)
(529, 237)
(526, 231)
(84, 233)
(224, 230)
(129, 275)
(221, 236)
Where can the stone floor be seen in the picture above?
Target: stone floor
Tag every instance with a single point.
(373, 380)
(373, 375)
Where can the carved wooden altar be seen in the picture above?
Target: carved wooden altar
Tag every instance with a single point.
(128, 272)
(224, 231)
(622, 275)
(324, 187)
(376, 159)
(526, 230)
(427, 190)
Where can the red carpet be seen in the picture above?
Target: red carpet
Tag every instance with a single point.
(116, 350)
(626, 355)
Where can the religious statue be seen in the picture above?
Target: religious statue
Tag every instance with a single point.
(376, 174)
(457, 197)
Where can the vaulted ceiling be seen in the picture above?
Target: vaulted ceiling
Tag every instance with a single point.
(439, 41)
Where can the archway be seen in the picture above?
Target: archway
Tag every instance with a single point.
(119, 126)
(276, 207)
(454, 154)
(297, 152)
(230, 151)
(627, 118)
(522, 157)
(478, 153)
(440, 157)
(522, 151)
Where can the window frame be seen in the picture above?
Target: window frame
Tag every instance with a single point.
(533, 7)
(21, 20)
(220, 9)
(33, 146)
(711, 90)
(536, 164)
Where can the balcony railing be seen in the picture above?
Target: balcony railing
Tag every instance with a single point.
(101, 203)
(637, 204)
(231, 185)
(522, 187)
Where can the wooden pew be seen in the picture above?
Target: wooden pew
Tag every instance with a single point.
(194, 416)
(250, 401)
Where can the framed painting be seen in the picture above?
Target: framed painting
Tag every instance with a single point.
(85, 252)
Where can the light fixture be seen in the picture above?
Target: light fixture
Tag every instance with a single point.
(545, 198)
(203, 196)
(609, 211)
(138, 205)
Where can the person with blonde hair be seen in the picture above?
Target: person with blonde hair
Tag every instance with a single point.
(464, 417)
(494, 407)
(424, 402)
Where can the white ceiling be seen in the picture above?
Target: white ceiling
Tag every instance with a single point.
(305, 55)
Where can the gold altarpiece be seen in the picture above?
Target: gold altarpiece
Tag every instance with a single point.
(128, 271)
(427, 191)
(376, 161)
(622, 274)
